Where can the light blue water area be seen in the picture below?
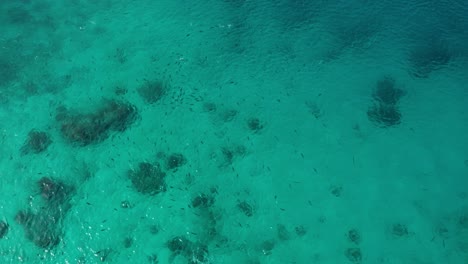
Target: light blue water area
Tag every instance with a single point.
(233, 131)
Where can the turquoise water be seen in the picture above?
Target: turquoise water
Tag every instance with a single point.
(233, 131)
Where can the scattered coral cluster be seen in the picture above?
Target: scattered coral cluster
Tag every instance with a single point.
(429, 56)
(43, 216)
(43, 225)
(37, 142)
(42, 220)
(384, 111)
(148, 178)
(86, 128)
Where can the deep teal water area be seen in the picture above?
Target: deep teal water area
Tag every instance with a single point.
(234, 131)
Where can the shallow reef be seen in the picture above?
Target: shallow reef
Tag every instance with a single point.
(37, 142)
(354, 255)
(43, 226)
(254, 124)
(428, 57)
(203, 201)
(384, 115)
(3, 229)
(152, 91)
(175, 160)
(42, 229)
(88, 128)
(386, 91)
(384, 111)
(194, 252)
(148, 178)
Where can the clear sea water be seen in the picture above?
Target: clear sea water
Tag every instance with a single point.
(234, 131)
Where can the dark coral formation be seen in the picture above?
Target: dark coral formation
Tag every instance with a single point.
(120, 91)
(54, 192)
(42, 229)
(232, 152)
(228, 115)
(195, 252)
(283, 233)
(354, 255)
(267, 247)
(209, 107)
(8, 71)
(399, 230)
(148, 178)
(19, 15)
(3, 229)
(85, 129)
(384, 115)
(354, 236)
(128, 242)
(43, 226)
(175, 160)
(254, 124)
(37, 142)
(153, 259)
(154, 229)
(246, 208)
(178, 244)
(203, 201)
(384, 111)
(463, 220)
(208, 216)
(336, 190)
(300, 230)
(386, 92)
(429, 57)
(314, 109)
(152, 91)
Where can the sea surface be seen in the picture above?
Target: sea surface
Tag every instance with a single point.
(234, 131)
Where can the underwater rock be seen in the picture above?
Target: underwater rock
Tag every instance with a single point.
(254, 124)
(153, 259)
(3, 229)
(228, 115)
(37, 142)
(354, 255)
(232, 152)
(399, 230)
(386, 92)
(300, 230)
(384, 115)
(283, 233)
(267, 247)
(53, 191)
(175, 160)
(179, 245)
(209, 107)
(85, 129)
(203, 201)
(41, 229)
(432, 55)
(246, 208)
(148, 178)
(194, 252)
(152, 91)
(354, 236)
(128, 242)
(385, 111)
